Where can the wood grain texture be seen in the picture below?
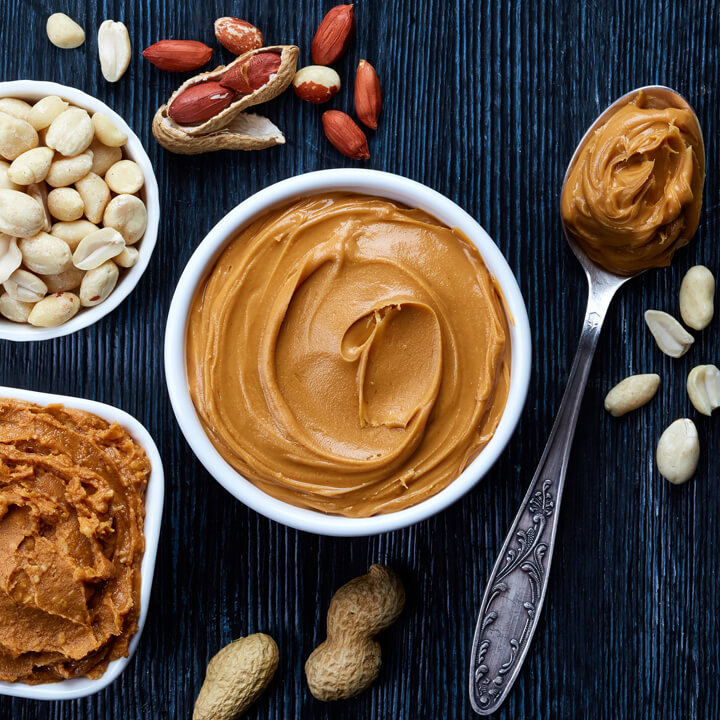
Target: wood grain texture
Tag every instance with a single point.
(484, 101)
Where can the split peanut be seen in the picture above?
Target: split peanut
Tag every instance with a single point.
(95, 248)
(669, 334)
(24, 286)
(703, 388)
(10, 256)
(113, 49)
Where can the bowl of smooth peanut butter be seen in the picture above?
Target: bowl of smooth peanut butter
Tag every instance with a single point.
(347, 352)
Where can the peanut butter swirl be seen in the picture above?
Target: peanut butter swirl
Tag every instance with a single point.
(634, 194)
(349, 355)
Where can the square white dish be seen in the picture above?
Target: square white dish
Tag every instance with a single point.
(80, 687)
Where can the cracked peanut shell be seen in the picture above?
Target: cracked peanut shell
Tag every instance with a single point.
(232, 128)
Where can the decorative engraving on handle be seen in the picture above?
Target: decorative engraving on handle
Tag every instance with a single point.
(594, 320)
(517, 583)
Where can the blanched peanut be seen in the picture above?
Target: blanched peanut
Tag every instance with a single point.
(54, 310)
(697, 292)
(65, 204)
(107, 132)
(631, 393)
(16, 136)
(38, 192)
(10, 256)
(670, 336)
(678, 451)
(97, 247)
(113, 49)
(124, 176)
(31, 167)
(71, 132)
(66, 171)
(24, 286)
(64, 32)
(73, 232)
(95, 196)
(14, 310)
(98, 284)
(44, 111)
(703, 388)
(17, 108)
(64, 281)
(5, 182)
(127, 258)
(128, 215)
(45, 254)
(104, 157)
(20, 215)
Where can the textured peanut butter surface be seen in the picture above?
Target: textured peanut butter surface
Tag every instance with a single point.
(349, 355)
(72, 492)
(634, 194)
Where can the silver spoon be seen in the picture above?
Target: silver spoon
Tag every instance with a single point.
(516, 590)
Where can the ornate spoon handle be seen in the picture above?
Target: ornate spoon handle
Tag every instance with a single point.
(515, 592)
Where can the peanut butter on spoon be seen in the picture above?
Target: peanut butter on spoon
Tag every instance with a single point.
(634, 193)
(631, 196)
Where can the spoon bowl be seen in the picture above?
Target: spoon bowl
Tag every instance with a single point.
(657, 96)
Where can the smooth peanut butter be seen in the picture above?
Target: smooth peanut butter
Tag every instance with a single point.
(349, 355)
(634, 194)
(72, 492)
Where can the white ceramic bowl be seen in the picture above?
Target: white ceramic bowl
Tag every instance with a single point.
(31, 91)
(370, 182)
(80, 687)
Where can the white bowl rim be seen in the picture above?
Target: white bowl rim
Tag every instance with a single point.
(368, 182)
(35, 89)
(81, 687)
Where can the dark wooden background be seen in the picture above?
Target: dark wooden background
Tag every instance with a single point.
(484, 101)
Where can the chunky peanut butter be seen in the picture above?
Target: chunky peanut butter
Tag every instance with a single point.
(634, 194)
(349, 355)
(72, 492)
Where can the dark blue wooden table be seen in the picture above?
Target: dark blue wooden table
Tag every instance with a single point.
(484, 101)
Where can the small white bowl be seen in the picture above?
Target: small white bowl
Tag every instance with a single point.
(31, 91)
(369, 182)
(80, 687)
